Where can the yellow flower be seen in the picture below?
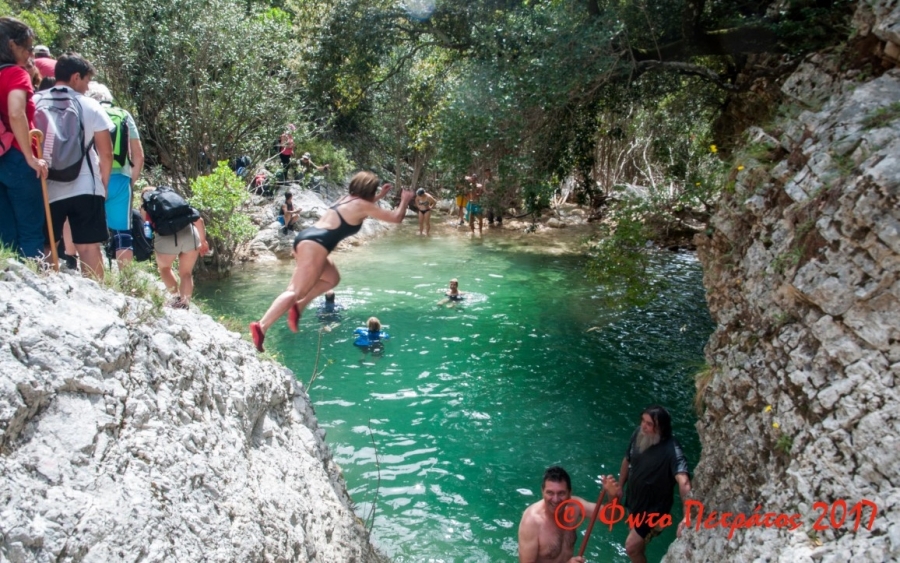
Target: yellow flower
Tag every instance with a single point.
(768, 408)
(713, 149)
(776, 425)
(740, 167)
(697, 184)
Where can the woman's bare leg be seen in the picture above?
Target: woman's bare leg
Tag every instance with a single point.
(186, 261)
(311, 259)
(328, 280)
(164, 264)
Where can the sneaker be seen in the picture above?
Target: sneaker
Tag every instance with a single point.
(258, 336)
(294, 318)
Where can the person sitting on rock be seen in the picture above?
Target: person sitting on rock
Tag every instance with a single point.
(290, 217)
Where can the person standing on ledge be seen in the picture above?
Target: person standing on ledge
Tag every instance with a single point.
(314, 271)
(425, 202)
(654, 463)
(541, 540)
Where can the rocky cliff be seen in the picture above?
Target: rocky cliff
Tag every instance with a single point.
(801, 404)
(133, 434)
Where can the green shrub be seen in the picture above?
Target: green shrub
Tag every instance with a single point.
(220, 196)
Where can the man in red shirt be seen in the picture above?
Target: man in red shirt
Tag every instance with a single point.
(44, 62)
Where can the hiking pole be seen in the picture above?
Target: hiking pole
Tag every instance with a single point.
(587, 534)
(54, 257)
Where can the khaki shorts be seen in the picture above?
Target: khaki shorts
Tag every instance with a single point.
(188, 240)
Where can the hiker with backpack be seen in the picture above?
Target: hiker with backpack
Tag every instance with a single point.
(179, 234)
(127, 163)
(22, 217)
(78, 148)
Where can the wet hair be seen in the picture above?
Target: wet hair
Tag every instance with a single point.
(71, 64)
(329, 296)
(420, 191)
(288, 195)
(364, 185)
(661, 419)
(16, 31)
(374, 324)
(558, 475)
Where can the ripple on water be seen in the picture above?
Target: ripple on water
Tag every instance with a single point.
(469, 404)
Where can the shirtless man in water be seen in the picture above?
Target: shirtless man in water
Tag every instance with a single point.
(540, 539)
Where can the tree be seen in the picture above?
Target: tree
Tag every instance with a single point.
(200, 76)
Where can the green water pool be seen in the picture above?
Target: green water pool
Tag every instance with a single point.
(449, 430)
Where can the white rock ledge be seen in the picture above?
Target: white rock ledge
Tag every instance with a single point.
(126, 436)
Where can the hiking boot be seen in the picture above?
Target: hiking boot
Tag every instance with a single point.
(258, 336)
(294, 318)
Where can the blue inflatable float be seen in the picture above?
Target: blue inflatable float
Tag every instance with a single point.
(366, 337)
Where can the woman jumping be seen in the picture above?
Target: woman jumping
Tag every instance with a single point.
(314, 272)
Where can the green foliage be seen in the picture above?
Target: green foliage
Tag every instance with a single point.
(197, 75)
(621, 259)
(808, 25)
(140, 280)
(220, 196)
(44, 24)
(784, 444)
(702, 380)
(882, 116)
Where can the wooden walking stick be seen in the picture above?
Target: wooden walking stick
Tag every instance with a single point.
(54, 257)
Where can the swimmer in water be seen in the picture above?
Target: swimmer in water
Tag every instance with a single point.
(329, 312)
(452, 295)
(369, 339)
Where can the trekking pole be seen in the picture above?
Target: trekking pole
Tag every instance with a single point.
(587, 534)
(54, 257)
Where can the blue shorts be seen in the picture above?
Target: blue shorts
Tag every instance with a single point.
(118, 203)
(121, 240)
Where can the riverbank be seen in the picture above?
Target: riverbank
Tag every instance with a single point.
(563, 228)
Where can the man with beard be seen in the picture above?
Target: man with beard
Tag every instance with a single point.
(541, 540)
(653, 464)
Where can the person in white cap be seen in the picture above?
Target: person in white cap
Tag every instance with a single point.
(43, 61)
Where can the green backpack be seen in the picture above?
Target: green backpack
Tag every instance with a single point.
(119, 136)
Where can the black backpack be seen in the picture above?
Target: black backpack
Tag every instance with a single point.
(142, 247)
(169, 212)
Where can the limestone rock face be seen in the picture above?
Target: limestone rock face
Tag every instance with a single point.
(803, 279)
(128, 434)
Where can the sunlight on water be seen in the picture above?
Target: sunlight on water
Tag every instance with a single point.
(470, 401)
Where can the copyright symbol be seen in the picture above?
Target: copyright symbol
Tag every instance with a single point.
(569, 514)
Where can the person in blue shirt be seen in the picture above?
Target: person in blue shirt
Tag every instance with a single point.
(371, 335)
